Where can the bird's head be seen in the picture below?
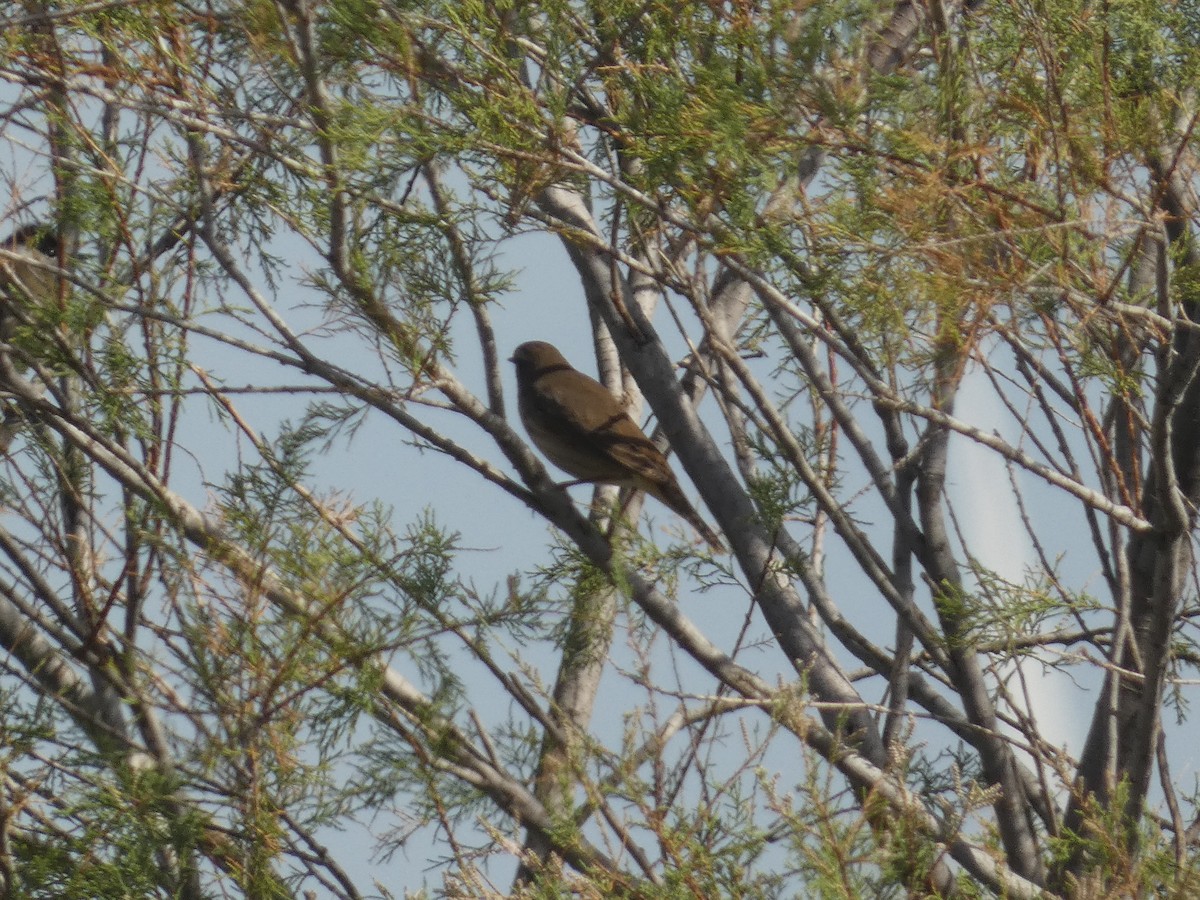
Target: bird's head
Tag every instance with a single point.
(535, 356)
(38, 236)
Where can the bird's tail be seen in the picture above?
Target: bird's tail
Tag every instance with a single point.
(672, 497)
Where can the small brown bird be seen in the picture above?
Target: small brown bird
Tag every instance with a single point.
(583, 430)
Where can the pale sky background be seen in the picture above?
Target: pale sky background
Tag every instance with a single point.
(980, 489)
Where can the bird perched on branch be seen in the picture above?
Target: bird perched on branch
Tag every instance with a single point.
(582, 429)
(28, 279)
(28, 267)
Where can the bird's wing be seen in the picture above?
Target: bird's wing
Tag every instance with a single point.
(583, 406)
(626, 444)
(574, 400)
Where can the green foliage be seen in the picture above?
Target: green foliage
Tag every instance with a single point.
(1114, 871)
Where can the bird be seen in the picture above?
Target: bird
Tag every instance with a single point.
(582, 428)
(28, 272)
(28, 278)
